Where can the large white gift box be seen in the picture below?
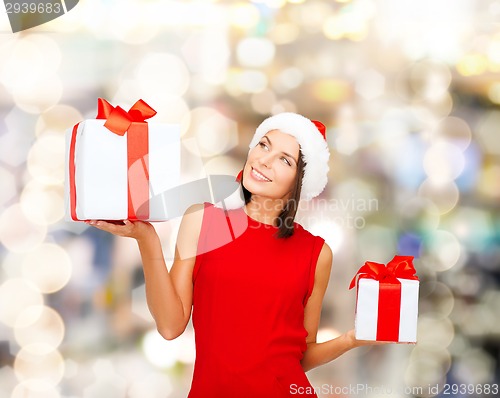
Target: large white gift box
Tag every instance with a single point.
(115, 175)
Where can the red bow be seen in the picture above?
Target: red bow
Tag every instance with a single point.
(118, 120)
(399, 267)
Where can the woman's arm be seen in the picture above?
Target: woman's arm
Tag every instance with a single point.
(321, 353)
(168, 294)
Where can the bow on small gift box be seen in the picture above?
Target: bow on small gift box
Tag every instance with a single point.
(387, 300)
(115, 161)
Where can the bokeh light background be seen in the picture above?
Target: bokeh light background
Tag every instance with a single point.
(409, 91)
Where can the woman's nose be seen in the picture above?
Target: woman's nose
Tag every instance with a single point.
(266, 159)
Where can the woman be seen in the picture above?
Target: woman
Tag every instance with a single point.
(254, 278)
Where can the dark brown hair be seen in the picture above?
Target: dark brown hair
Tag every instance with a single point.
(287, 216)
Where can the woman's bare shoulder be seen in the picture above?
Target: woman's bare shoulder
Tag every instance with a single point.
(193, 215)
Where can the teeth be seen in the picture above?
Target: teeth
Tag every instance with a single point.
(256, 173)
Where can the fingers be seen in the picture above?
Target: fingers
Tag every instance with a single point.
(122, 228)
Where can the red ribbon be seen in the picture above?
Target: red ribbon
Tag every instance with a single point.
(119, 122)
(389, 301)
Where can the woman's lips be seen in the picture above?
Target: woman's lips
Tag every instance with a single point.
(258, 176)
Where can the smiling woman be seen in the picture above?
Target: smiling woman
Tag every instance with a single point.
(255, 312)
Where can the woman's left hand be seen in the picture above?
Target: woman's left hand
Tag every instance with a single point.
(359, 343)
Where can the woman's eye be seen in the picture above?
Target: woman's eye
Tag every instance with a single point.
(286, 161)
(263, 145)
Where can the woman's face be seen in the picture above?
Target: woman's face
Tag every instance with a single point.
(271, 166)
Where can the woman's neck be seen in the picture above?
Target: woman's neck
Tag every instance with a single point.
(264, 210)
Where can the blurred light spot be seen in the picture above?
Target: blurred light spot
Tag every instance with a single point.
(489, 181)
(467, 180)
(133, 22)
(330, 231)
(467, 284)
(459, 345)
(8, 190)
(70, 368)
(403, 160)
(454, 130)
(57, 120)
(16, 142)
(440, 301)
(427, 366)
(42, 204)
(17, 232)
(310, 16)
(48, 266)
(164, 73)
(419, 215)
(46, 159)
(443, 162)
(35, 388)
(251, 81)
(494, 46)
(409, 244)
(472, 226)
(243, 15)
(274, 3)
(139, 303)
(434, 332)
(354, 196)
(255, 52)
(474, 366)
(263, 102)
(283, 106)
(156, 385)
(284, 33)
(288, 79)
(472, 64)
(28, 61)
(40, 96)
(494, 93)
(444, 247)
(377, 243)
(15, 296)
(108, 383)
(325, 334)
(36, 361)
(487, 132)
(443, 195)
(370, 84)
(330, 90)
(349, 22)
(223, 165)
(430, 80)
(166, 353)
(347, 137)
(39, 327)
(214, 133)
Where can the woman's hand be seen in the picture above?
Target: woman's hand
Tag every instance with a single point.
(138, 230)
(358, 343)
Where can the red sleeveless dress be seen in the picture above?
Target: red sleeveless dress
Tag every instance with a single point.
(250, 290)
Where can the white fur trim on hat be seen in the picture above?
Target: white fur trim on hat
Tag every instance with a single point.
(314, 148)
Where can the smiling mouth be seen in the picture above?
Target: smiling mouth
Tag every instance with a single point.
(259, 176)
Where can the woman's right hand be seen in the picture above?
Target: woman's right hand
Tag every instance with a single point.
(138, 230)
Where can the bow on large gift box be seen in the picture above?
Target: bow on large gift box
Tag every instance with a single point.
(117, 162)
(387, 301)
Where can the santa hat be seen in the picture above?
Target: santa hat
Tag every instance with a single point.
(311, 136)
